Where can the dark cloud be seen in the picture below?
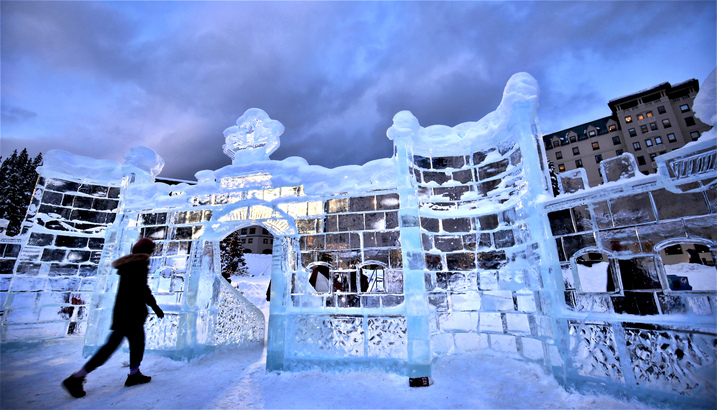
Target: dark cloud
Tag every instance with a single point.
(16, 114)
(173, 75)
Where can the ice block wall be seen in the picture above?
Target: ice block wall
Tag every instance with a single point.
(638, 309)
(483, 257)
(45, 291)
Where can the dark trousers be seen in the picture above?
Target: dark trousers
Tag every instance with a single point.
(135, 337)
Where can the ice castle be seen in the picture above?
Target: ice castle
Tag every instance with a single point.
(454, 244)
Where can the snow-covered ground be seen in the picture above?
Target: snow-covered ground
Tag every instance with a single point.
(233, 378)
(701, 277)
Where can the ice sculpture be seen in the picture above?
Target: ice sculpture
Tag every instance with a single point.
(254, 137)
(454, 244)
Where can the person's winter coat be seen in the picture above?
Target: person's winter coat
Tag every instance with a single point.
(133, 293)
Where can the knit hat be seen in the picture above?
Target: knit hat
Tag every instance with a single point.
(144, 245)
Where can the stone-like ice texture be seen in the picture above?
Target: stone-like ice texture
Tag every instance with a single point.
(454, 244)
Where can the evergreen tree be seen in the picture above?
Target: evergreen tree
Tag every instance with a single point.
(232, 256)
(18, 176)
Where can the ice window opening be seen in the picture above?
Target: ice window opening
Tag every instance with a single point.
(689, 266)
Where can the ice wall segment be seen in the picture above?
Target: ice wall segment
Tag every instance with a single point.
(452, 245)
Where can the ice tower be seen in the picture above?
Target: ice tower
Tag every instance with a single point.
(454, 244)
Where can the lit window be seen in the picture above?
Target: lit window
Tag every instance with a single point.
(648, 114)
(628, 119)
(684, 107)
(653, 126)
(596, 146)
(598, 158)
(576, 151)
(695, 135)
(612, 127)
(671, 138)
(643, 128)
(636, 146)
(640, 117)
(661, 109)
(648, 142)
(632, 132)
(561, 167)
(578, 163)
(616, 140)
(689, 121)
(619, 152)
(558, 155)
(640, 160)
(652, 157)
(658, 140)
(666, 123)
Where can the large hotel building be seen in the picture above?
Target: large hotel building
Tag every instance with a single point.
(646, 124)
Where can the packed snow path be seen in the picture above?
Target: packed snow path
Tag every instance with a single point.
(31, 377)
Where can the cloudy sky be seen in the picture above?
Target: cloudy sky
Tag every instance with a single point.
(95, 78)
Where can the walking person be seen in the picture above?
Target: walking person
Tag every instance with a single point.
(128, 317)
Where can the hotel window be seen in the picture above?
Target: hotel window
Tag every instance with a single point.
(573, 138)
(592, 133)
(636, 146)
(243, 231)
(658, 140)
(576, 151)
(640, 160)
(616, 140)
(596, 146)
(556, 143)
(695, 135)
(266, 240)
(661, 109)
(561, 167)
(558, 155)
(619, 152)
(250, 240)
(671, 138)
(648, 142)
(628, 119)
(684, 107)
(598, 158)
(643, 128)
(666, 123)
(648, 114)
(578, 163)
(632, 132)
(640, 117)
(653, 126)
(252, 231)
(652, 157)
(612, 127)
(689, 121)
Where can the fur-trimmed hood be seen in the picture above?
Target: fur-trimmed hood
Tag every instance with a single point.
(135, 257)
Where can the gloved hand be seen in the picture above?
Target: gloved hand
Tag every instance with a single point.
(158, 311)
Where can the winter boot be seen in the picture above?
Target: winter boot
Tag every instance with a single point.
(73, 385)
(137, 378)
